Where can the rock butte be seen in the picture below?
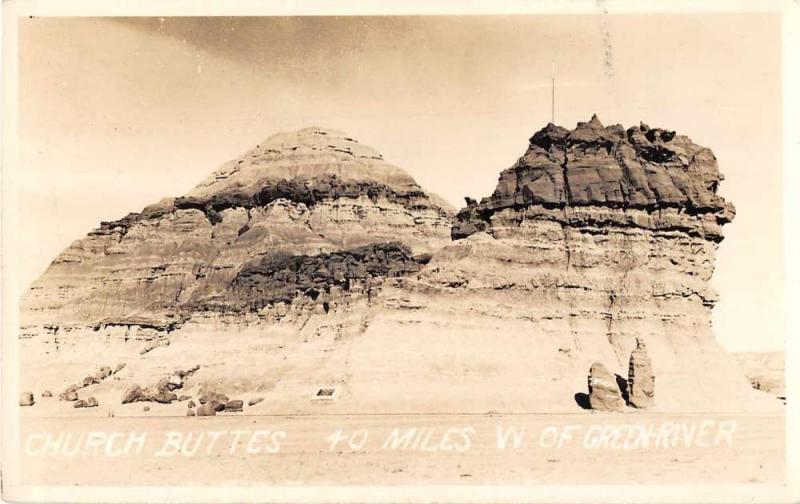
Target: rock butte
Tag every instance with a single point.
(303, 193)
(310, 261)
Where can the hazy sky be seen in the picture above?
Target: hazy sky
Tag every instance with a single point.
(118, 113)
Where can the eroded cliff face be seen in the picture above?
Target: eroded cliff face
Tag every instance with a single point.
(597, 176)
(300, 193)
(595, 237)
(310, 261)
(621, 225)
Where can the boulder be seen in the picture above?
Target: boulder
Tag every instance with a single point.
(146, 408)
(190, 412)
(89, 380)
(254, 401)
(71, 394)
(164, 397)
(133, 394)
(26, 399)
(104, 373)
(175, 381)
(91, 402)
(213, 397)
(207, 409)
(191, 404)
(641, 380)
(218, 406)
(604, 393)
(47, 393)
(79, 404)
(162, 385)
(234, 406)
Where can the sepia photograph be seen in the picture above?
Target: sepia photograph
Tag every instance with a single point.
(399, 252)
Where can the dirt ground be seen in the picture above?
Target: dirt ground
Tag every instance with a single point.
(581, 448)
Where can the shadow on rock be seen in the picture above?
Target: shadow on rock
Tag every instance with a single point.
(582, 399)
(622, 383)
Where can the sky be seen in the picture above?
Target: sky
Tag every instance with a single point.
(117, 113)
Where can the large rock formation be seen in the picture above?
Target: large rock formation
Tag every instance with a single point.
(290, 199)
(641, 178)
(595, 236)
(311, 263)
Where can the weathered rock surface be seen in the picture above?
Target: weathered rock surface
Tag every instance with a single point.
(91, 402)
(653, 178)
(302, 193)
(216, 397)
(604, 392)
(161, 391)
(207, 409)
(641, 379)
(234, 406)
(277, 278)
(134, 394)
(595, 237)
(70, 394)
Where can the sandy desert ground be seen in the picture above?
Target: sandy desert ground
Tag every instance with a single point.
(450, 449)
(447, 419)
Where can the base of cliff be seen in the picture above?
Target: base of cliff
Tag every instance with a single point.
(409, 354)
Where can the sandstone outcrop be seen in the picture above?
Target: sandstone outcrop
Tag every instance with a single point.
(303, 193)
(604, 393)
(310, 262)
(278, 278)
(643, 178)
(594, 237)
(641, 380)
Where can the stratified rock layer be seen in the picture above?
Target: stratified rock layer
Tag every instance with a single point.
(642, 177)
(277, 278)
(301, 193)
(305, 265)
(595, 237)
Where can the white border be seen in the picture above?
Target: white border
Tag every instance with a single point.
(13, 9)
